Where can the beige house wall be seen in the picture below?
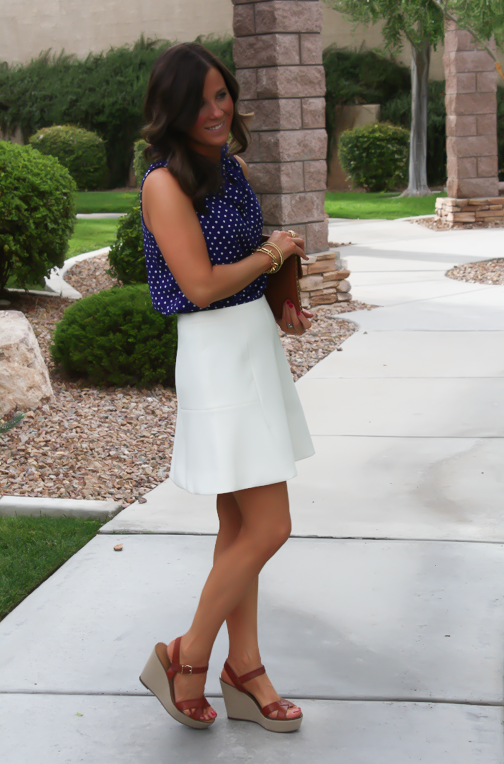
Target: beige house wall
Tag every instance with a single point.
(28, 27)
(80, 26)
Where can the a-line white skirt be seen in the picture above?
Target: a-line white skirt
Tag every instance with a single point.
(240, 422)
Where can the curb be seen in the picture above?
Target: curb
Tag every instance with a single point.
(56, 281)
(344, 221)
(26, 506)
(100, 215)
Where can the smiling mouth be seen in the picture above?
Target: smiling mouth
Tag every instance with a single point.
(216, 128)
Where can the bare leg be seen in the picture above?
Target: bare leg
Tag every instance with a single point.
(244, 655)
(265, 527)
(242, 621)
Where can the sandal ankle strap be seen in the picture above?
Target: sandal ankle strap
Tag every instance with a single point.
(178, 668)
(238, 681)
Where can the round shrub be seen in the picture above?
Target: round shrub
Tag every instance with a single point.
(37, 214)
(80, 151)
(375, 156)
(115, 337)
(126, 256)
(140, 163)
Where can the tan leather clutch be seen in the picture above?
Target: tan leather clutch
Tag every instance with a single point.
(284, 285)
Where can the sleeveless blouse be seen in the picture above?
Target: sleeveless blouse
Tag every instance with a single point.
(232, 229)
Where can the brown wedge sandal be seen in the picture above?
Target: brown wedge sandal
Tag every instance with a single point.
(241, 704)
(158, 676)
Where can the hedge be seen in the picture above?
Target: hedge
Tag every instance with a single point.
(102, 93)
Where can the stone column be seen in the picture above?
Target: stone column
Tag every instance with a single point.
(278, 56)
(471, 121)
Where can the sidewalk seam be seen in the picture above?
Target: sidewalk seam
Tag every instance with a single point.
(334, 698)
(311, 538)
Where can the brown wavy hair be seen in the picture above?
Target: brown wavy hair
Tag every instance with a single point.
(171, 108)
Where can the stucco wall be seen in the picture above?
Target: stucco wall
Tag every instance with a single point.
(80, 26)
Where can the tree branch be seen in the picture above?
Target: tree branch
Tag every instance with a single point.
(468, 28)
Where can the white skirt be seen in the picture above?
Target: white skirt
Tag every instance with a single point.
(240, 422)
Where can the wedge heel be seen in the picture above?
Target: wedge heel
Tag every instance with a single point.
(154, 678)
(242, 707)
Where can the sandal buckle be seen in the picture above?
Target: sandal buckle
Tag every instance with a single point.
(186, 667)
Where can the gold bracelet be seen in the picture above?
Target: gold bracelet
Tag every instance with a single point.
(271, 244)
(276, 265)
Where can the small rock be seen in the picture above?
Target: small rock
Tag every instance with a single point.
(118, 548)
(141, 500)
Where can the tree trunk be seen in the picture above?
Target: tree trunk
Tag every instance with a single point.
(420, 61)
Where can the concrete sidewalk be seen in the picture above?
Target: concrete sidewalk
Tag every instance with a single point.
(383, 615)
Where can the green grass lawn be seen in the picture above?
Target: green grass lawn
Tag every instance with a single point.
(348, 204)
(32, 548)
(106, 201)
(385, 206)
(92, 234)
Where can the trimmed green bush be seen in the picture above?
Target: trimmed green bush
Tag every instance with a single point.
(37, 214)
(80, 151)
(140, 163)
(115, 337)
(375, 156)
(126, 255)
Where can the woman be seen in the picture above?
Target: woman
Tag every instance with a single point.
(240, 426)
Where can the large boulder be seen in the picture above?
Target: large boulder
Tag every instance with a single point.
(24, 380)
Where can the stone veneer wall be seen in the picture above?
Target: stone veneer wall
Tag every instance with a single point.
(471, 121)
(460, 213)
(278, 56)
(325, 280)
(471, 130)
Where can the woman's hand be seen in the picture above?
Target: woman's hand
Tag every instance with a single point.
(290, 245)
(293, 322)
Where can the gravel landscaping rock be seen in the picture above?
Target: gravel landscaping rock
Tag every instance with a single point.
(484, 272)
(114, 443)
(90, 275)
(436, 225)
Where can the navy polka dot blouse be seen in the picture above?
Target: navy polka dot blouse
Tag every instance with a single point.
(232, 229)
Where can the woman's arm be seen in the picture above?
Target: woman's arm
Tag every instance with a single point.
(170, 216)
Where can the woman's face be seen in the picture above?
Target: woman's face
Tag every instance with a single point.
(212, 127)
